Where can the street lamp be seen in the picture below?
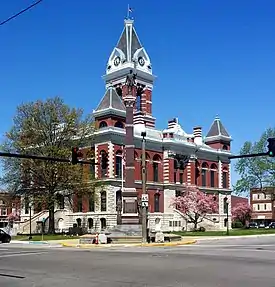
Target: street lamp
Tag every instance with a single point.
(30, 211)
(227, 215)
(144, 201)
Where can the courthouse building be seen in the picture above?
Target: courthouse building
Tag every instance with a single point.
(175, 156)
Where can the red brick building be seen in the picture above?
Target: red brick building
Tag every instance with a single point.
(262, 204)
(8, 205)
(174, 157)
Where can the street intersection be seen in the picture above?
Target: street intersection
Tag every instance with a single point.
(209, 263)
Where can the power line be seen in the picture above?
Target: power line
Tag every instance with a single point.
(21, 12)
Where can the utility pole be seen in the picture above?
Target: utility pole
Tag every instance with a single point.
(144, 199)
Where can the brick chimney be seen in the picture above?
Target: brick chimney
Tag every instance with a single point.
(197, 131)
(172, 123)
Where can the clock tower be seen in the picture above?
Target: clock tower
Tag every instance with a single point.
(129, 54)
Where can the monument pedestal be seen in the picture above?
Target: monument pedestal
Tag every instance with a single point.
(130, 212)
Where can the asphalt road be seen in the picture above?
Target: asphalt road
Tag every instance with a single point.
(237, 262)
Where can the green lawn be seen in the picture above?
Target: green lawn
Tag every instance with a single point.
(232, 232)
(45, 237)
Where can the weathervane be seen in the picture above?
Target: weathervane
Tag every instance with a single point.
(129, 11)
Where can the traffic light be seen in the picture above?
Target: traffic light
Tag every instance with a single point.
(271, 147)
(76, 153)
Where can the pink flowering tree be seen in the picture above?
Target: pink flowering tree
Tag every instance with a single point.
(195, 205)
(13, 217)
(241, 212)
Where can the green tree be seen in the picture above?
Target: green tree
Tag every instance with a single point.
(256, 172)
(48, 128)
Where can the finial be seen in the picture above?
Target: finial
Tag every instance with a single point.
(217, 118)
(129, 11)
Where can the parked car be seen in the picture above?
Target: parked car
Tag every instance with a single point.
(271, 225)
(4, 237)
(253, 225)
(261, 225)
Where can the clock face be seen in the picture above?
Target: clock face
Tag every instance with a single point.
(117, 61)
(141, 61)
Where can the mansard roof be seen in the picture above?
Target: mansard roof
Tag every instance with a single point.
(217, 130)
(111, 100)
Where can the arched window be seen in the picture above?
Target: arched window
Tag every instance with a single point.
(213, 172)
(119, 125)
(119, 164)
(103, 124)
(92, 203)
(90, 223)
(204, 169)
(156, 202)
(225, 147)
(156, 163)
(103, 163)
(103, 201)
(78, 221)
(103, 224)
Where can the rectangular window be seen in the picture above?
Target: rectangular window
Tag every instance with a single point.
(212, 178)
(170, 223)
(156, 172)
(224, 180)
(203, 177)
(265, 207)
(91, 203)
(175, 177)
(181, 178)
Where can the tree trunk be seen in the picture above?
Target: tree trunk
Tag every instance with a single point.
(195, 225)
(51, 229)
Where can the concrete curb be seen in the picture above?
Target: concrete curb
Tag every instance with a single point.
(166, 244)
(179, 243)
(203, 238)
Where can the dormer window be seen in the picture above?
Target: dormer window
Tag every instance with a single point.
(103, 124)
(119, 125)
(225, 147)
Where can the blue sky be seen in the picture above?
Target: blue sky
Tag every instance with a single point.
(210, 56)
